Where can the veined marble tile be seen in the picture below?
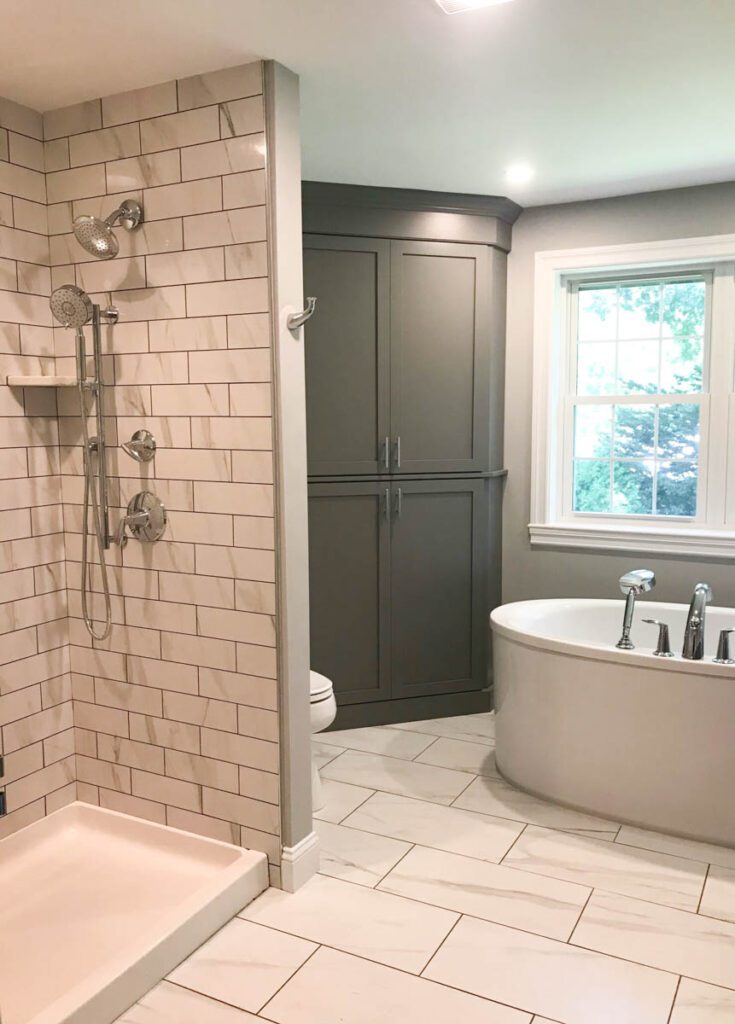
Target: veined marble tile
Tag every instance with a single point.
(490, 795)
(139, 103)
(169, 1004)
(355, 856)
(377, 740)
(697, 1003)
(335, 988)
(340, 799)
(243, 964)
(323, 753)
(707, 853)
(490, 891)
(368, 923)
(476, 758)
(478, 728)
(393, 775)
(220, 86)
(228, 156)
(657, 877)
(672, 940)
(443, 828)
(719, 894)
(148, 171)
(105, 144)
(173, 130)
(552, 978)
(242, 117)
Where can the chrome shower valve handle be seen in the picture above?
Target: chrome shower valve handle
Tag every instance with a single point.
(141, 446)
(663, 647)
(146, 518)
(723, 648)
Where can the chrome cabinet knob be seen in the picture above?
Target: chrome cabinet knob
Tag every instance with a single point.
(663, 647)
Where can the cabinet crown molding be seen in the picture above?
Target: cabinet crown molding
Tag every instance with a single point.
(330, 208)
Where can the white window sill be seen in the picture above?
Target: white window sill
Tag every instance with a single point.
(665, 540)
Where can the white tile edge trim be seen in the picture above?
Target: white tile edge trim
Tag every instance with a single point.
(299, 863)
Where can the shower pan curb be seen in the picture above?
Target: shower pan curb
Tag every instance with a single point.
(109, 904)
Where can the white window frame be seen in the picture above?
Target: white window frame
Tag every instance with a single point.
(712, 533)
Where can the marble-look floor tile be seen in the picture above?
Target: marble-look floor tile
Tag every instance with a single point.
(474, 728)
(490, 795)
(444, 828)
(476, 758)
(356, 856)
(340, 799)
(169, 1004)
(490, 891)
(377, 740)
(334, 988)
(368, 923)
(323, 753)
(658, 877)
(707, 853)
(551, 978)
(391, 775)
(697, 1003)
(718, 899)
(671, 940)
(243, 964)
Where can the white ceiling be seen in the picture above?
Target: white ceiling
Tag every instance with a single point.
(601, 96)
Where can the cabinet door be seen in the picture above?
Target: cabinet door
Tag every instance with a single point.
(438, 570)
(440, 343)
(349, 536)
(346, 352)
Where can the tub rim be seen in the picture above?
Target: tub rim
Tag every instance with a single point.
(590, 651)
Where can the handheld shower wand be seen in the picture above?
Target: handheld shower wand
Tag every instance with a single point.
(72, 307)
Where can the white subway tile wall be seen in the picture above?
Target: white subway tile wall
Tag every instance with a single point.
(36, 720)
(174, 716)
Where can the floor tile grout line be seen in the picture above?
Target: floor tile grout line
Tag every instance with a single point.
(390, 871)
(433, 741)
(521, 833)
(673, 1001)
(683, 856)
(579, 916)
(431, 958)
(288, 980)
(704, 888)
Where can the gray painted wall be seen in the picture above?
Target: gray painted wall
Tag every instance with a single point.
(652, 216)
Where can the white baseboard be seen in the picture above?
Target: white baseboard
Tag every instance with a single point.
(300, 862)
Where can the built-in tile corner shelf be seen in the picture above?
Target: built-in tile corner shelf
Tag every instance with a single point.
(41, 381)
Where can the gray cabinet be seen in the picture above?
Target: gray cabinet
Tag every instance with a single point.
(398, 596)
(438, 568)
(440, 341)
(397, 356)
(347, 355)
(349, 588)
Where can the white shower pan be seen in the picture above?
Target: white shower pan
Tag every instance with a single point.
(96, 907)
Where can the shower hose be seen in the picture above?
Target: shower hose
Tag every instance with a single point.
(90, 491)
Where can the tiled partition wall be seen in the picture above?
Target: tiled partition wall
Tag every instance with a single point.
(36, 735)
(175, 714)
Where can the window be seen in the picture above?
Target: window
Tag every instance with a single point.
(636, 395)
(634, 367)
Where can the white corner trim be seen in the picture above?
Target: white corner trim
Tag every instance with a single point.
(300, 862)
(690, 543)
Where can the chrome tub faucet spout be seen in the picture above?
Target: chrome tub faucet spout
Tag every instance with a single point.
(635, 582)
(693, 649)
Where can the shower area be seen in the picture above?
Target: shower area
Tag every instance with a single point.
(143, 665)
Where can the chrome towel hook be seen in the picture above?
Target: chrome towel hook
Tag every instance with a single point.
(296, 320)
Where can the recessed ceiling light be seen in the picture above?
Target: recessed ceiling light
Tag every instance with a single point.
(519, 174)
(460, 6)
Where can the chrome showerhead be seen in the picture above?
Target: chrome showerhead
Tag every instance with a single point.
(97, 237)
(71, 306)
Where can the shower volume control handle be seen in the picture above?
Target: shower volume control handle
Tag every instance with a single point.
(663, 647)
(146, 519)
(723, 648)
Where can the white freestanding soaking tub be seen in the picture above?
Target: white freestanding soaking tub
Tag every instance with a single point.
(97, 907)
(623, 734)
